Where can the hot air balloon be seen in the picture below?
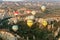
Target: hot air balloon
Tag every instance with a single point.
(16, 13)
(43, 8)
(14, 27)
(30, 23)
(33, 12)
(44, 23)
(28, 11)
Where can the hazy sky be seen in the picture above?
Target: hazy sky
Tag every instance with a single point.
(12, 0)
(31, 0)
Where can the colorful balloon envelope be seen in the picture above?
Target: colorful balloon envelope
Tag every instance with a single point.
(29, 23)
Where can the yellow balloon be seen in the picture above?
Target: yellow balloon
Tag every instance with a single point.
(29, 23)
(44, 23)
